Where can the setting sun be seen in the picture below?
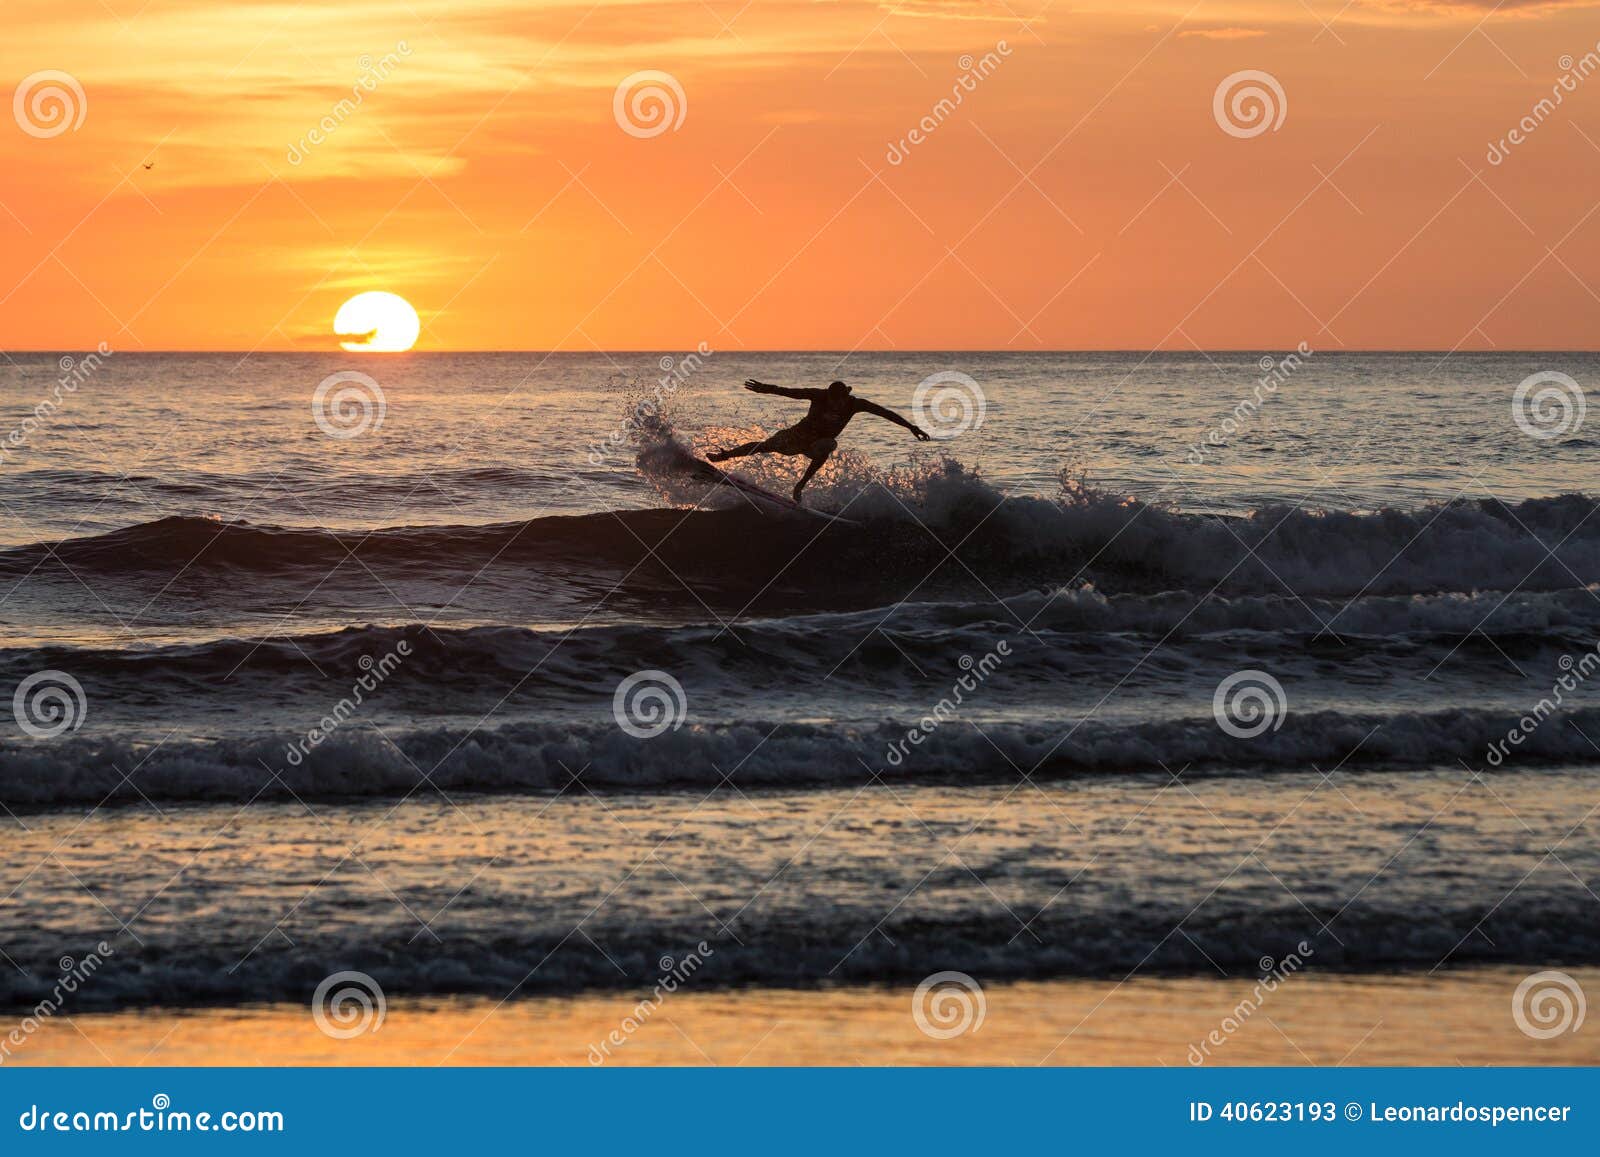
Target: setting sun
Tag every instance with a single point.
(377, 322)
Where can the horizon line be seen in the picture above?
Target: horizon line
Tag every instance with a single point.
(239, 353)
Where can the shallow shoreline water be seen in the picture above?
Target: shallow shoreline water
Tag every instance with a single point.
(1447, 1018)
(554, 894)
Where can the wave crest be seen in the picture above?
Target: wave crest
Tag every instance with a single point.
(358, 762)
(928, 533)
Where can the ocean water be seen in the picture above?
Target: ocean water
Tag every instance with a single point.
(453, 679)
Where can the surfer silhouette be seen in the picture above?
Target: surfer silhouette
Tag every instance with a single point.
(816, 436)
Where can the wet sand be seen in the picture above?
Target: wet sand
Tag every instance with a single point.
(1449, 1018)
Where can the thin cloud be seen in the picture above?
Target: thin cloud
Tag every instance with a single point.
(953, 10)
(1222, 33)
(1476, 8)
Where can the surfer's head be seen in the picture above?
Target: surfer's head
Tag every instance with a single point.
(838, 389)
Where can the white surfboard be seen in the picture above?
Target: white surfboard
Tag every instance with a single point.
(764, 497)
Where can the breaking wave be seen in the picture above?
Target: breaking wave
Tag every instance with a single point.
(947, 525)
(361, 762)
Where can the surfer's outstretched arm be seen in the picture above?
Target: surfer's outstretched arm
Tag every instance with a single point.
(756, 387)
(884, 412)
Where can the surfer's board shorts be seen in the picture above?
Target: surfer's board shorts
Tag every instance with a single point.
(796, 441)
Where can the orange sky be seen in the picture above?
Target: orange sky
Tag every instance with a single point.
(1081, 196)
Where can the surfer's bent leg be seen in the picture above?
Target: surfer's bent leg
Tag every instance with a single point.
(735, 452)
(819, 454)
(786, 441)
